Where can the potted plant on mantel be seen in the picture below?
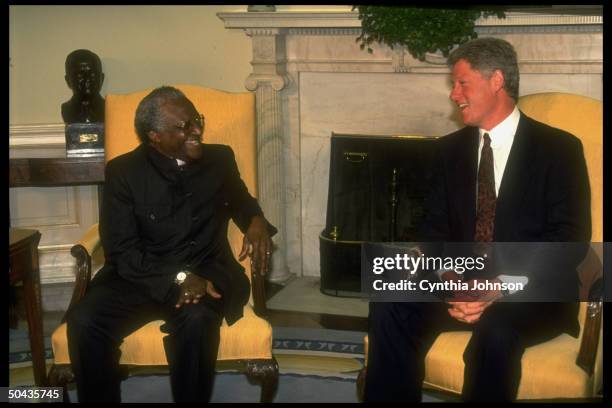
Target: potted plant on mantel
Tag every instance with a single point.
(420, 30)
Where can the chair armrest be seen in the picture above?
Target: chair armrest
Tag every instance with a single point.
(90, 241)
(590, 337)
(82, 251)
(258, 283)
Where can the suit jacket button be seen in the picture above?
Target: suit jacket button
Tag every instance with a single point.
(152, 216)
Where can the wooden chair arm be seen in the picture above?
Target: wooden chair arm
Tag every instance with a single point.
(82, 251)
(90, 241)
(258, 286)
(590, 337)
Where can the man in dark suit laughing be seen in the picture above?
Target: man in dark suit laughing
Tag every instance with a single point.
(163, 226)
(503, 178)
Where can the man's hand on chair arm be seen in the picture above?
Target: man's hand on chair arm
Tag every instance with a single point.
(257, 244)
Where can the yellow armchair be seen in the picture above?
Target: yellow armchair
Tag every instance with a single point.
(563, 367)
(230, 120)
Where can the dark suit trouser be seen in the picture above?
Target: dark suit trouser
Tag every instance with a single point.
(401, 334)
(111, 311)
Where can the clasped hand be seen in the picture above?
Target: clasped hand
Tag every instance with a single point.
(194, 288)
(468, 305)
(257, 245)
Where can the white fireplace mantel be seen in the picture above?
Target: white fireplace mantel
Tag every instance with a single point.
(341, 19)
(295, 19)
(311, 79)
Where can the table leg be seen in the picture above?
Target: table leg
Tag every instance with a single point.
(100, 198)
(31, 291)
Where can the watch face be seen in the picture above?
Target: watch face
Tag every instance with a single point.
(181, 276)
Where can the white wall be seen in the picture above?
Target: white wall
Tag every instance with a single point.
(140, 47)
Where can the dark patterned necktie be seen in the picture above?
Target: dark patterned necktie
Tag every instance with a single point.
(485, 214)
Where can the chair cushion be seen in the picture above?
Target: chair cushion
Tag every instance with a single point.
(549, 369)
(248, 338)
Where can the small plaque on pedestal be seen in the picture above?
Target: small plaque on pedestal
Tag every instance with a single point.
(85, 139)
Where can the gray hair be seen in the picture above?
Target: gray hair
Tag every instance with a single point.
(488, 54)
(148, 113)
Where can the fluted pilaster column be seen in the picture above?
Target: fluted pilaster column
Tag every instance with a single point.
(267, 80)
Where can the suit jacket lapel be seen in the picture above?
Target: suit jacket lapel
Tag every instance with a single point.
(466, 173)
(514, 180)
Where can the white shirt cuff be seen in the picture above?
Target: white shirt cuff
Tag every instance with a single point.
(513, 279)
(442, 271)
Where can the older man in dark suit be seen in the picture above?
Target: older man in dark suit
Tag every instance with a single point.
(163, 227)
(503, 177)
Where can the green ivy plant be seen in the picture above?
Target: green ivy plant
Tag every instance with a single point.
(420, 30)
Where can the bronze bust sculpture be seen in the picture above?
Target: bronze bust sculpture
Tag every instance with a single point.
(84, 76)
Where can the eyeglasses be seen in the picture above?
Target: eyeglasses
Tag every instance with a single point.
(187, 126)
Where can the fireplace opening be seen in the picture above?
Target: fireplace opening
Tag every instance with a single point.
(377, 187)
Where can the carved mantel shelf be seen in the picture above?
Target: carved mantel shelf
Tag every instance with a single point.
(290, 19)
(336, 19)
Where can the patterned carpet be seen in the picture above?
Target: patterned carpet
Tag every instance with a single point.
(315, 365)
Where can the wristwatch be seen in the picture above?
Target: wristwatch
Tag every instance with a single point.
(180, 277)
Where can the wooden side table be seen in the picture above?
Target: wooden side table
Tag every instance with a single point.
(55, 172)
(23, 267)
(43, 172)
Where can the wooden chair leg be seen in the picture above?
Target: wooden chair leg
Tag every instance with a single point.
(124, 372)
(361, 384)
(263, 371)
(266, 372)
(59, 376)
